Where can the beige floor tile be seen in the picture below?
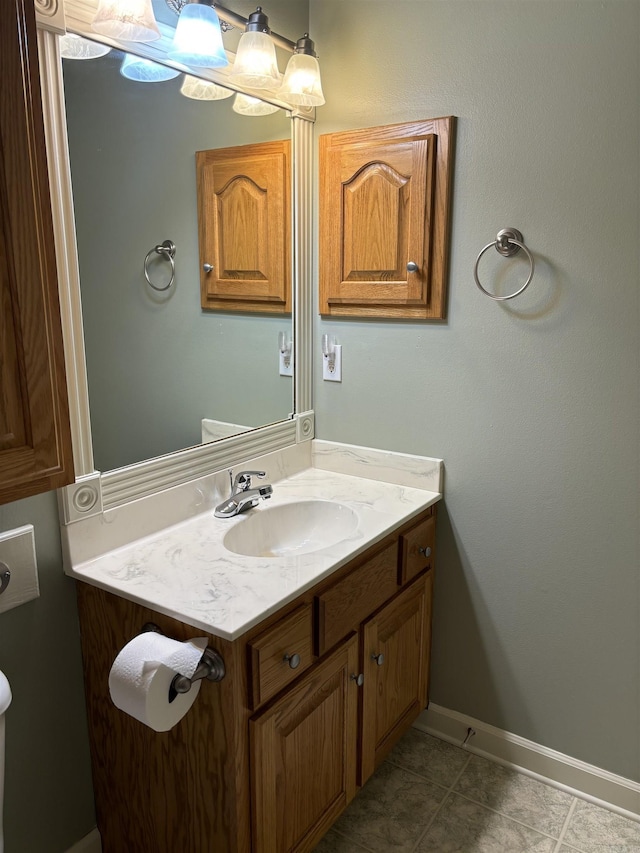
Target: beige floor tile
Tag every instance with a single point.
(596, 830)
(392, 811)
(335, 843)
(515, 795)
(434, 759)
(462, 826)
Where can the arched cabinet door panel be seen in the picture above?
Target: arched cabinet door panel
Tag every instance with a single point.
(384, 220)
(35, 438)
(244, 227)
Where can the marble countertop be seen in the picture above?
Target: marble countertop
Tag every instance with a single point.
(185, 571)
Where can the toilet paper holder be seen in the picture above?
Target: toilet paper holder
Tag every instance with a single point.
(211, 667)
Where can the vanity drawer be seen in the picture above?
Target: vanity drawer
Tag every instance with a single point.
(417, 549)
(280, 654)
(354, 597)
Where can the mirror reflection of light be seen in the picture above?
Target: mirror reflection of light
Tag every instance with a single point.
(203, 90)
(76, 47)
(146, 71)
(129, 20)
(248, 106)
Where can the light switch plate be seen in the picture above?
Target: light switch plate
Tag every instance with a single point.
(334, 375)
(18, 553)
(285, 370)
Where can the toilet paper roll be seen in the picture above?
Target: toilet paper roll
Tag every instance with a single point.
(142, 673)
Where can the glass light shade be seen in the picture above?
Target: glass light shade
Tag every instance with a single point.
(301, 85)
(129, 20)
(145, 70)
(248, 106)
(256, 65)
(76, 47)
(203, 90)
(198, 39)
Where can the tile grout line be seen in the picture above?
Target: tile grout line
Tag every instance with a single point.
(565, 825)
(438, 809)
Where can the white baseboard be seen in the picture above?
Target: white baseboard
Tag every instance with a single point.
(91, 843)
(577, 777)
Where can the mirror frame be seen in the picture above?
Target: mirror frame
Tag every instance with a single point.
(95, 491)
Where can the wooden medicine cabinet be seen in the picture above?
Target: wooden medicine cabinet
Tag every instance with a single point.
(384, 220)
(244, 227)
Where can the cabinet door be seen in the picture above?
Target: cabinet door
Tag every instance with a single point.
(244, 227)
(303, 756)
(395, 648)
(35, 438)
(383, 220)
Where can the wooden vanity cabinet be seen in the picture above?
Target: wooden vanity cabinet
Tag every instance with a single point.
(313, 699)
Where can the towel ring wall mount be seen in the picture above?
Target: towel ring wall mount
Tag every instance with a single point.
(167, 250)
(508, 242)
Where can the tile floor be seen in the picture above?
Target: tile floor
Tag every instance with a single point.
(432, 797)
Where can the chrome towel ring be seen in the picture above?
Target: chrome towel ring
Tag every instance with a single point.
(508, 242)
(168, 252)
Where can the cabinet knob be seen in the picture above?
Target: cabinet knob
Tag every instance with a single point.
(207, 267)
(379, 659)
(359, 679)
(412, 266)
(425, 551)
(292, 660)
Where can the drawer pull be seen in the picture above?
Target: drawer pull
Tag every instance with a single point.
(425, 551)
(379, 659)
(359, 679)
(292, 660)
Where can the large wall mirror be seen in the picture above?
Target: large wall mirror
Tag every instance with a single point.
(158, 365)
(162, 377)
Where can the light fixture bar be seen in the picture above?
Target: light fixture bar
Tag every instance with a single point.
(234, 20)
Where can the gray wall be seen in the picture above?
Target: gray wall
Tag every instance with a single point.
(533, 404)
(48, 803)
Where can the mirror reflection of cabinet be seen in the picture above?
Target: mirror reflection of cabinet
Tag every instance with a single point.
(244, 227)
(384, 220)
(35, 442)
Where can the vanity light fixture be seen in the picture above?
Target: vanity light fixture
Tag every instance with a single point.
(302, 85)
(145, 70)
(256, 65)
(203, 90)
(126, 20)
(198, 38)
(76, 47)
(248, 106)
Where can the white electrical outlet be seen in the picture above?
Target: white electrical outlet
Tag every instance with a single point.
(18, 557)
(332, 367)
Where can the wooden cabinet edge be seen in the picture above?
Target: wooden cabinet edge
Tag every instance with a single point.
(48, 464)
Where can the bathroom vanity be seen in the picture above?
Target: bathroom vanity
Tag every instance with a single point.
(326, 656)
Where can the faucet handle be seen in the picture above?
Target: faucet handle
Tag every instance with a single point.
(242, 480)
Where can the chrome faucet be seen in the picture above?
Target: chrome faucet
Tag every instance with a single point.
(243, 497)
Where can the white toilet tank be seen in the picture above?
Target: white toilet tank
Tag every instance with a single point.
(5, 701)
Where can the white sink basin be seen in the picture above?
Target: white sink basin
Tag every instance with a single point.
(291, 529)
